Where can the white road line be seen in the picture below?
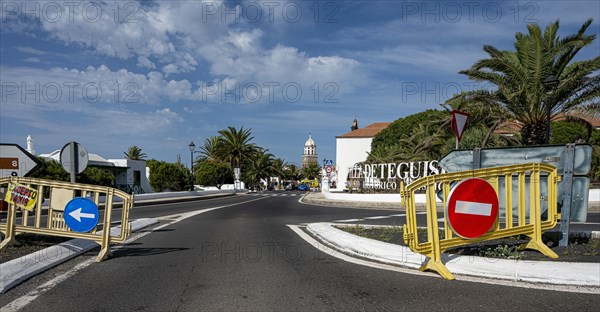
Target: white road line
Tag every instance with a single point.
(334, 253)
(22, 301)
(378, 217)
(348, 220)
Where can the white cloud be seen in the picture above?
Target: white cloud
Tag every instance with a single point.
(143, 31)
(174, 35)
(144, 62)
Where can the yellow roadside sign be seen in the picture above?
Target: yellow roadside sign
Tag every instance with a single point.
(21, 195)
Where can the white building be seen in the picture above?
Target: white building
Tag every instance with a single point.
(135, 178)
(353, 147)
(131, 175)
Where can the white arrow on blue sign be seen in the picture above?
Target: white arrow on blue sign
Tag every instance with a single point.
(81, 214)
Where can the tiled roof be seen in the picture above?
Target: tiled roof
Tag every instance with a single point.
(595, 122)
(367, 132)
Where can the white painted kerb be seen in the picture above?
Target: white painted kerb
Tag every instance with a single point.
(562, 273)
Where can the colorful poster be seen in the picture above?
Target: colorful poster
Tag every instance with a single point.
(22, 196)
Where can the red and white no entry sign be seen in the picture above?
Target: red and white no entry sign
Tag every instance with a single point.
(472, 208)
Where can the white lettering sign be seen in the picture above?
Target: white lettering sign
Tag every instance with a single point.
(384, 176)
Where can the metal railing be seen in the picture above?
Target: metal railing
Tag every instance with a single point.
(528, 220)
(22, 220)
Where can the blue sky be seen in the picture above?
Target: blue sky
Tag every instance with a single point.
(159, 74)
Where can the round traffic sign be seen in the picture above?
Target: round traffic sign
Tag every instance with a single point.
(472, 208)
(81, 214)
(328, 169)
(74, 157)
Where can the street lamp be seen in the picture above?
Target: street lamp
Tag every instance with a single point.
(549, 82)
(192, 147)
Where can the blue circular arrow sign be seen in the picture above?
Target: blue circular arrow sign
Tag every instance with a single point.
(81, 214)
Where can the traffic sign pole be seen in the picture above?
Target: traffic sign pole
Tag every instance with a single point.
(74, 161)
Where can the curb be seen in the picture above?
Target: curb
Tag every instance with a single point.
(18, 270)
(556, 273)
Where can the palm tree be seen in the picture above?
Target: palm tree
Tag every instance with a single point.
(210, 149)
(381, 154)
(135, 153)
(279, 166)
(291, 172)
(235, 146)
(519, 77)
(259, 166)
(312, 171)
(425, 142)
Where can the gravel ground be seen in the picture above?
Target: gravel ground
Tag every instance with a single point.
(28, 243)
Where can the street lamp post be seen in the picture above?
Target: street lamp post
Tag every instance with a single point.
(549, 82)
(192, 147)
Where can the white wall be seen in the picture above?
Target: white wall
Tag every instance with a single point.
(128, 177)
(349, 151)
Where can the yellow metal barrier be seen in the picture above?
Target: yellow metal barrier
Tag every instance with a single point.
(53, 211)
(532, 227)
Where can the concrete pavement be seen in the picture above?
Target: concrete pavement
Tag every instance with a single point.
(580, 274)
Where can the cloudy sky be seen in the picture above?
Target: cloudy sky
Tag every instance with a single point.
(159, 74)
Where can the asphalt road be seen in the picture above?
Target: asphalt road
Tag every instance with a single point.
(243, 256)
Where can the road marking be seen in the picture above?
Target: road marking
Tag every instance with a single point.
(338, 254)
(348, 220)
(22, 301)
(378, 217)
(473, 208)
(274, 195)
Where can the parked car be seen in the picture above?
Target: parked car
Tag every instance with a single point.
(289, 187)
(303, 187)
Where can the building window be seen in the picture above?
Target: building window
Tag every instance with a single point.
(137, 178)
